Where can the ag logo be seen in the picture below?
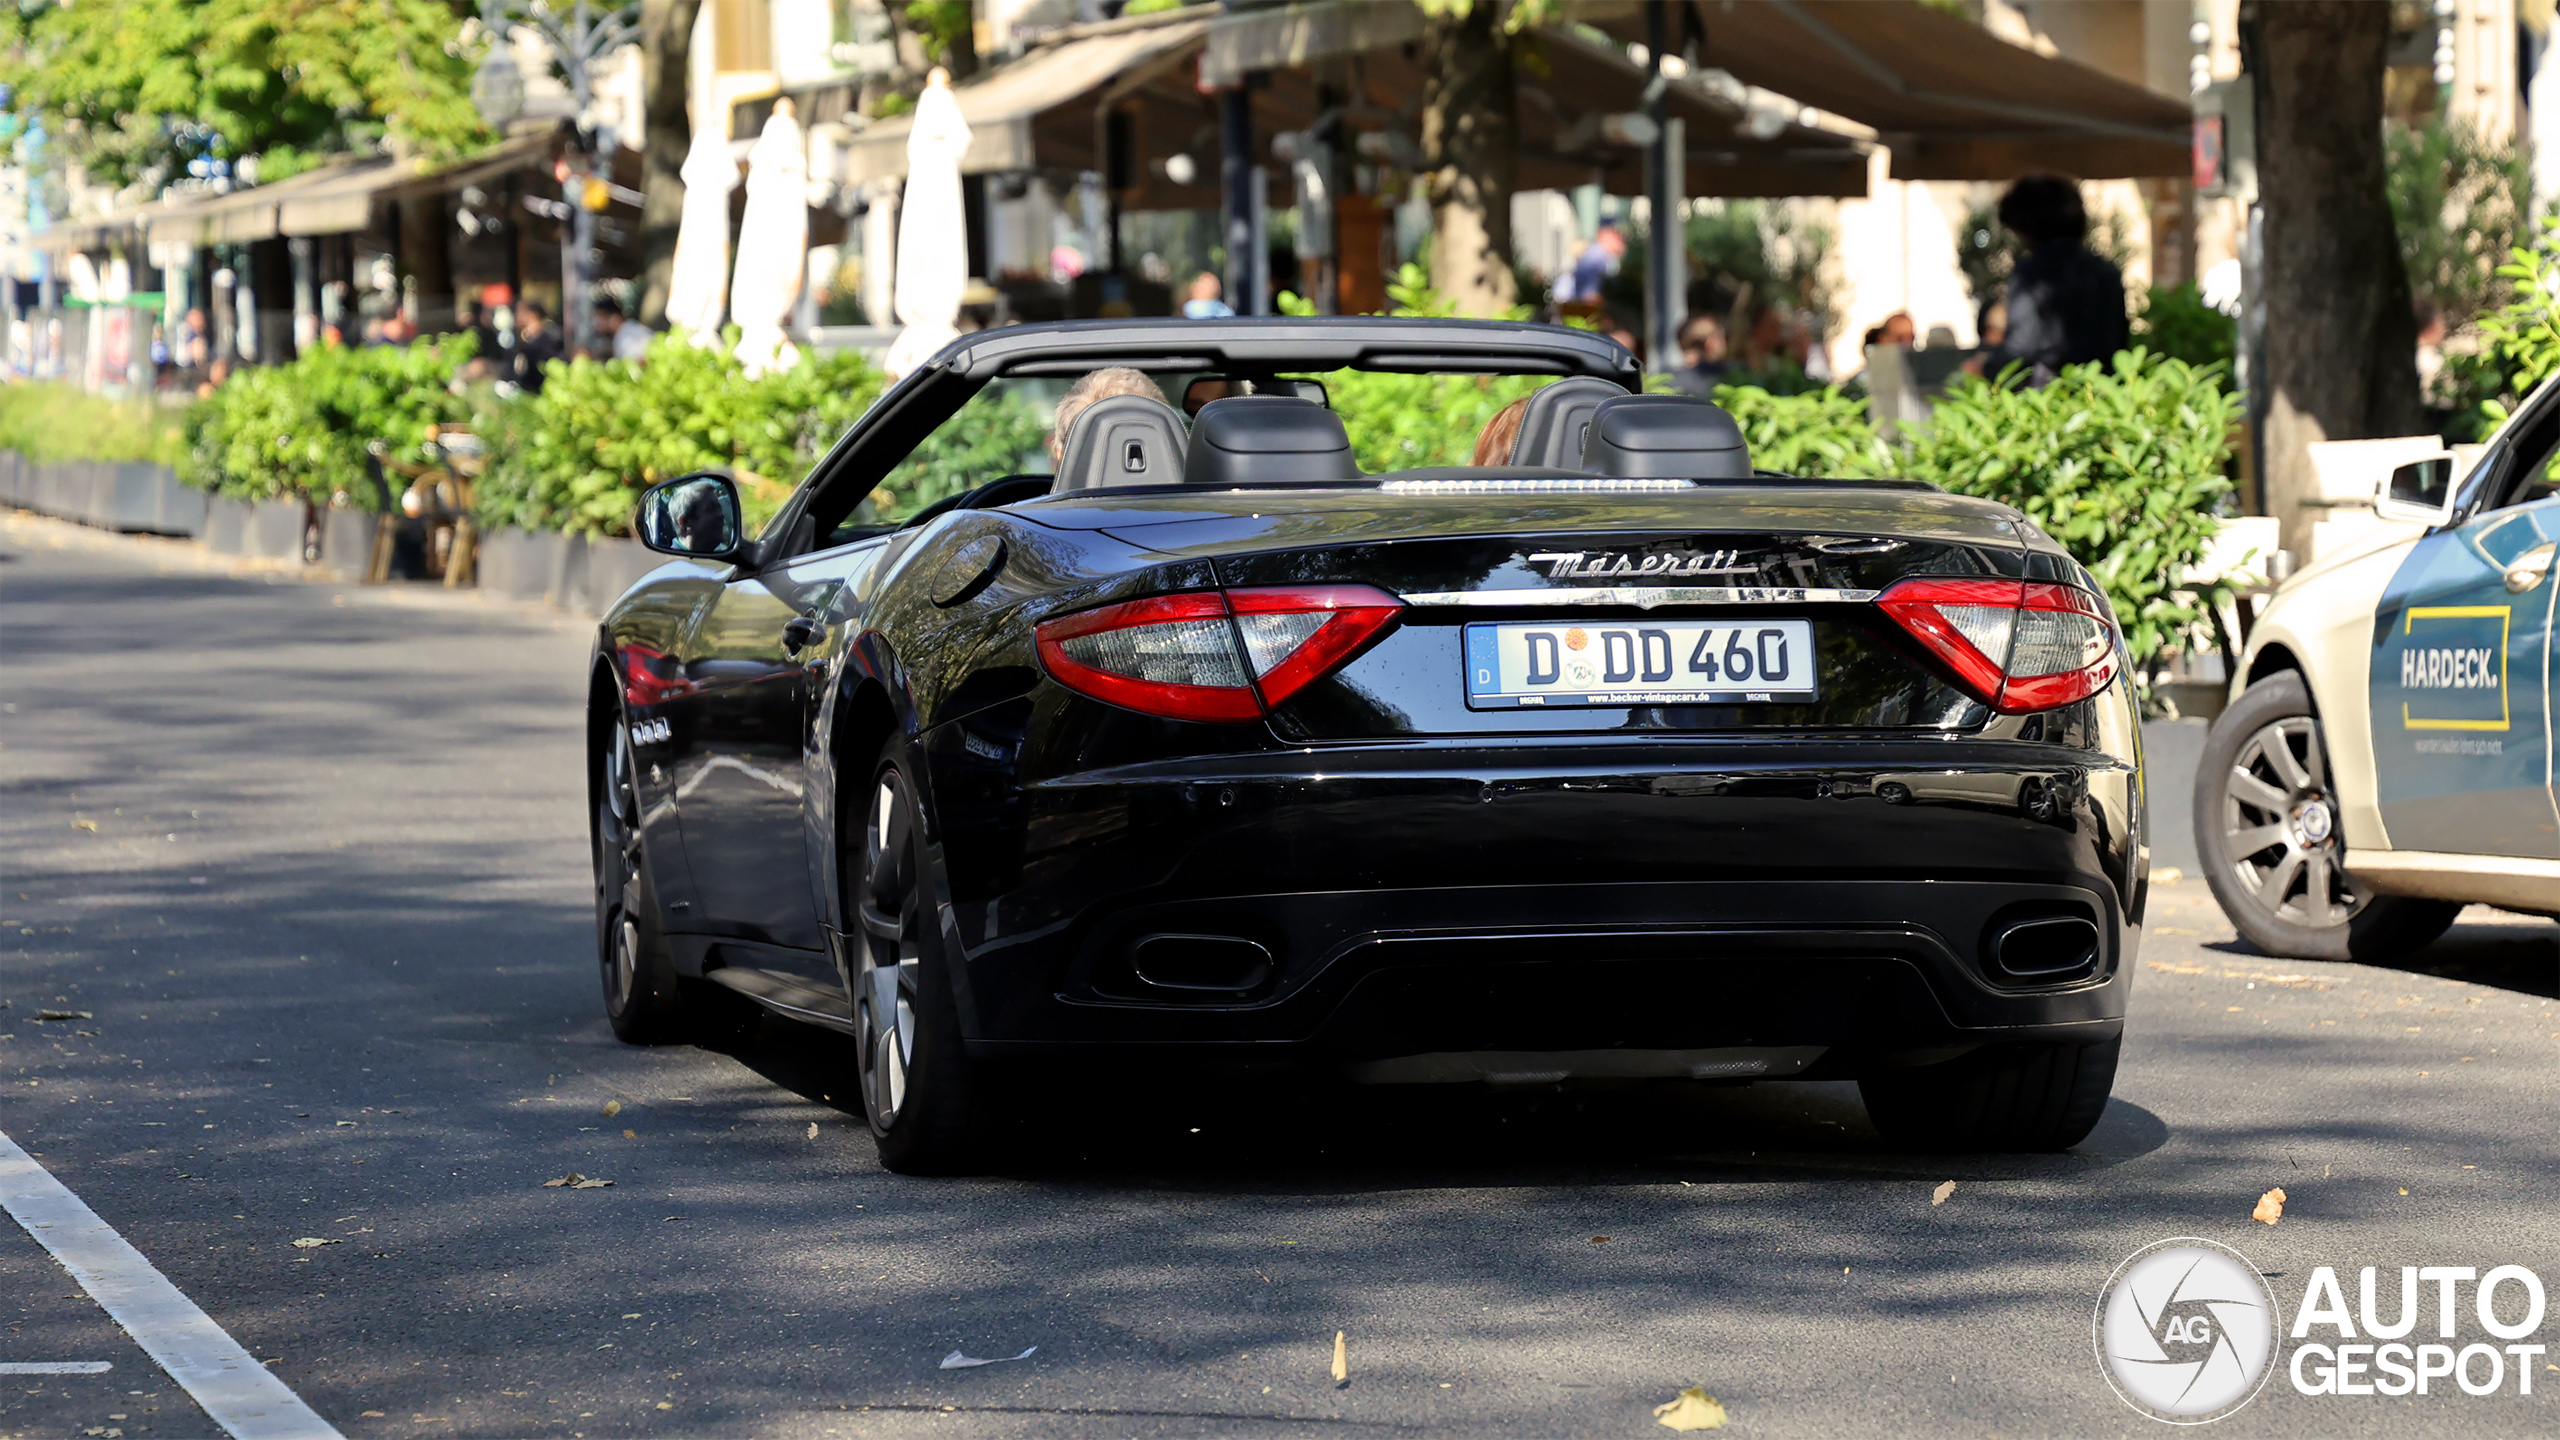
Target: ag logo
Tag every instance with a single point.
(2186, 1331)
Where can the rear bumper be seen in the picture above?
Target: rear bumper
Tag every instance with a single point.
(1473, 901)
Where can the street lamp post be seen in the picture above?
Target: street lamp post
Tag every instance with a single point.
(578, 37)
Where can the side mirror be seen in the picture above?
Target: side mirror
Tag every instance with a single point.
(2418, 491)
(696, 516)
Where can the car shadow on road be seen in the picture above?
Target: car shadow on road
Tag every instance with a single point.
(1307, 1133)
(2499, 949)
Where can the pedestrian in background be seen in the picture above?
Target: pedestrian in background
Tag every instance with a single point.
(537, 345)
(1204, 303)
(1592, 266)
(2066, 304)
(624, 337)
(1707, 357)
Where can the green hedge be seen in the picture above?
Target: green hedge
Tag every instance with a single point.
(46, 420)
(302, 429)
(577, 455)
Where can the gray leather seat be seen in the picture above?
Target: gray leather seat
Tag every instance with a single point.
(1665, 436)
(1123, 440)
(1558, 417)
(1268, 440)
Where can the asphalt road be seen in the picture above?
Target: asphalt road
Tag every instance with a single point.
(311, 860)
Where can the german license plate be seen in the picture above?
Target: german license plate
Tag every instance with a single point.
(1648, 662)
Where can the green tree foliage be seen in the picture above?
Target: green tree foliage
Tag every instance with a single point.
(304, 429)
(134, 88)
(2460, 204)
(2174, 322)
(2525, 332)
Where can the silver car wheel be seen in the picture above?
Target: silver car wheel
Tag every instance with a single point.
(889, 912)
(2280, 827)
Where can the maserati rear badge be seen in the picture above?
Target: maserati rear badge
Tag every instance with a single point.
(1563, 564)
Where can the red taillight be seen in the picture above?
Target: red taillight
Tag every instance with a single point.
(2019, 646)
(1212, 655)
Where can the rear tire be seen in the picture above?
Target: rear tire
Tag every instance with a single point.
(642, 995)
(2266, 828)
(1999, 1098)
(925, 1098)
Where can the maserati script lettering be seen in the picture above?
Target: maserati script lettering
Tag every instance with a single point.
(1562, 564)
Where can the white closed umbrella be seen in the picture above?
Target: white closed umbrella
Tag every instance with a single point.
(933, 231)
(697, 291)
(773, 244)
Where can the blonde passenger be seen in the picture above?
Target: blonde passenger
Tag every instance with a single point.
(1097, 385)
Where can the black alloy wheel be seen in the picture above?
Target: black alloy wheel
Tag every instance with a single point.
(919, 1088)
(2267, 828)
(641, 991)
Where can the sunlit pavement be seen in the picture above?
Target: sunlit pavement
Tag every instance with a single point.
(311, 858)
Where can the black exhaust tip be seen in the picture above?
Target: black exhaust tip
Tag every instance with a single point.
(1224, 964)
(2043, 949)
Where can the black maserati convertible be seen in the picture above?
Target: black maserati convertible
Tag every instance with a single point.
(1621, 761)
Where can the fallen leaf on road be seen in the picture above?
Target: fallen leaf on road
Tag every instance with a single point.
(2270, 1206)
(312, 1242)
(2404, 1189)
(957, 1361)
(64, 1015)
(1694, 1410)
(813, 1129)
(591, 1185)
(373, 1415)
(612, 1108)
(1939, 1196)
(2167, 875)
(630, 1134)
(1341, 1360)
(574, 1181)
(1599, 1239)
(663, 1405)
(89, 825)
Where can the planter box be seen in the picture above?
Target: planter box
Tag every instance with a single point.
(128, 494)
(346, 540)
(613, 566)
(182, 508)
(275, 530)
(523, 564)
(226, 525)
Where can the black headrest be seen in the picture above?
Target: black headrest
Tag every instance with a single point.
(1557, 418)
(1665, 436)
(1266, 440)
(1122, 440)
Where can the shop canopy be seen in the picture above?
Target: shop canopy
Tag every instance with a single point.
(334, 199)
(1044, 112)
(1951, 100)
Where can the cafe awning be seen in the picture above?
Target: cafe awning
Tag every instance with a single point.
(1041, 112)
(1003, 105)
(1950, 99)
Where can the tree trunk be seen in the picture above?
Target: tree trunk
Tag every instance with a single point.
(666, 40)
(2341, 340)
(1470, 130)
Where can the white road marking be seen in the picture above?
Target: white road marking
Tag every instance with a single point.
(56, 1367)
(226, 1380)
